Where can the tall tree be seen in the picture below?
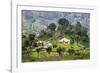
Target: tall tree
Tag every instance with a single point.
(63, 25)
(52, 26)
(63, 22)
(78, 31)
(49, 49)
(31, 38)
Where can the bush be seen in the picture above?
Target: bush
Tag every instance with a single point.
(71, 51)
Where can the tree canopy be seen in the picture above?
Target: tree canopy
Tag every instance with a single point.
(63, 22)
(52, 26)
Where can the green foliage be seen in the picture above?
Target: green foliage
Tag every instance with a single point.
(63, 22)
(26, 43)
(71, 51)
(79, 39)
(49, 49)
(52, 26)
(32, 36)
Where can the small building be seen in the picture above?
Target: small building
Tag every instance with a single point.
(65, 41)
(45, 44)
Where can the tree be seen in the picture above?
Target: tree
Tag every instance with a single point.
(71, 51)
(25, 43)
(63, 22)
(63, 25)
(78, 31)
(60, 51)
(52, 26)
(25, 47)
(78, 28)
(49, 49)
(31, 38)
(81, 35)
(38, 51)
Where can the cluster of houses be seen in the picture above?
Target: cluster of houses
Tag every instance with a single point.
(47, 44)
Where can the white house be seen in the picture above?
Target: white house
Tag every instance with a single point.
(65, 41)
(47, 44)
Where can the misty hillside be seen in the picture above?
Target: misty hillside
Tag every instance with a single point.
(35, 21)
(55, 36)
